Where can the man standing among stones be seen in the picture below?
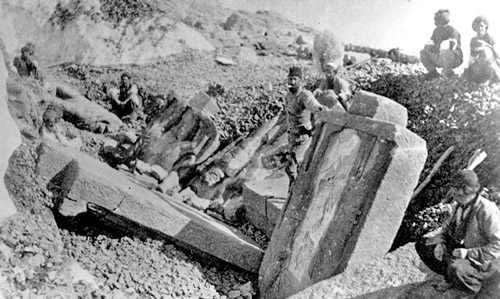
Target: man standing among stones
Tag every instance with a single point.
(299, 105)
(467, 249)
(444, 48)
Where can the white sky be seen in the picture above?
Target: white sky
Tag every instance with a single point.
(383, 24)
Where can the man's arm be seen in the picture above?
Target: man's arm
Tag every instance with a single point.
(488, 219)
(310, 101)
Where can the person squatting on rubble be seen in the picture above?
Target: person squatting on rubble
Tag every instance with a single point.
(52, 130)
(332, 89)
(26, 64)
(484, 62)
(299, 105)
(444, 49)
(466, 250)
(125, 101)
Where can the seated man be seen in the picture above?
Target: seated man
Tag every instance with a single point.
(444, 49)
(484, 64)
(126, 100)
(52, 130)
(26, 65)
(468, 245)
(333, 89)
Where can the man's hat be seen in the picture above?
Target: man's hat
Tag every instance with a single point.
(465, 178)
(295, 71)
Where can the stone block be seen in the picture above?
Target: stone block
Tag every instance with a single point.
(158, 172)
(142, 167)
(11, 140)
(203, 102)
(347, 203)
(91, 182)
(372, 105)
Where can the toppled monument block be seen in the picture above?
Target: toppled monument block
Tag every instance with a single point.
(12, 139)
(181, 136)
(84, 180)
(347, 203)
(263, 201)
(372, 105)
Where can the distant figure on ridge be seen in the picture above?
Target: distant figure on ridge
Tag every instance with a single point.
(444, 49)
(467, 248)
(26, 64)
(333, 89)
(484, 60)
(126, 101)
(299, 105)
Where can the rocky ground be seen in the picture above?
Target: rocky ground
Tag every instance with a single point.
(42, 256)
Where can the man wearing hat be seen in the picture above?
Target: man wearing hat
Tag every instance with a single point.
(25, 64)
(467, 248)
(299, 105)
(444, 48)
(332, 89)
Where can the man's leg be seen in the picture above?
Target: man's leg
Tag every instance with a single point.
(449, 61)
(430, 61)
(426, 253)
(463, 275)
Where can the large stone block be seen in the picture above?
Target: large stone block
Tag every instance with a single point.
(178, 133)
(263, 201)
(377, 107)
(85, 181)
(347, 203)
(11, 139)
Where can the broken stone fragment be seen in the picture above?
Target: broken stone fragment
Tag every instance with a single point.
(170, 184)
(224, 61)
(158, 172)
(130, 137)
(234, 209)
(189, 197)
(142, 167)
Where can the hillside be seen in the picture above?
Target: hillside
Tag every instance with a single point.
(40, 251)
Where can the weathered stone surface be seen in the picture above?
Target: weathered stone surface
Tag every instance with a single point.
(170, 184)
(263, 201)
(202, 101)
(372, 105)
(399, 268)
(247, 54)
(158, 172)
(87, 180)
(88, 38)
(225, 61)
(11, 139)
(346, 204)
(177, 134)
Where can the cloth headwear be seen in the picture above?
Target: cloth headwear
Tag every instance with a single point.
(125, 74)
(478, 20)
(465, 178)
(295, 71)
(442, 16)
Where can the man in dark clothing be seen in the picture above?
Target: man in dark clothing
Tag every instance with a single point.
(444, 48)
(299, 105)
(25, 64)
(126, 101)
(467, 249)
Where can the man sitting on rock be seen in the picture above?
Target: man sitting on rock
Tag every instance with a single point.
(467, 247)
(444, 48)
(52, 130)
(333, 89)
(299, 105)
(26, 64)
(126, 100)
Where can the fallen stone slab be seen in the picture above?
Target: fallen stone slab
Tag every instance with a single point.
(84, 180)
(263, 201)
(347, 203)
(179, 135)
(224, 61)
(12, 139)
(203, 102)
(399, 268)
